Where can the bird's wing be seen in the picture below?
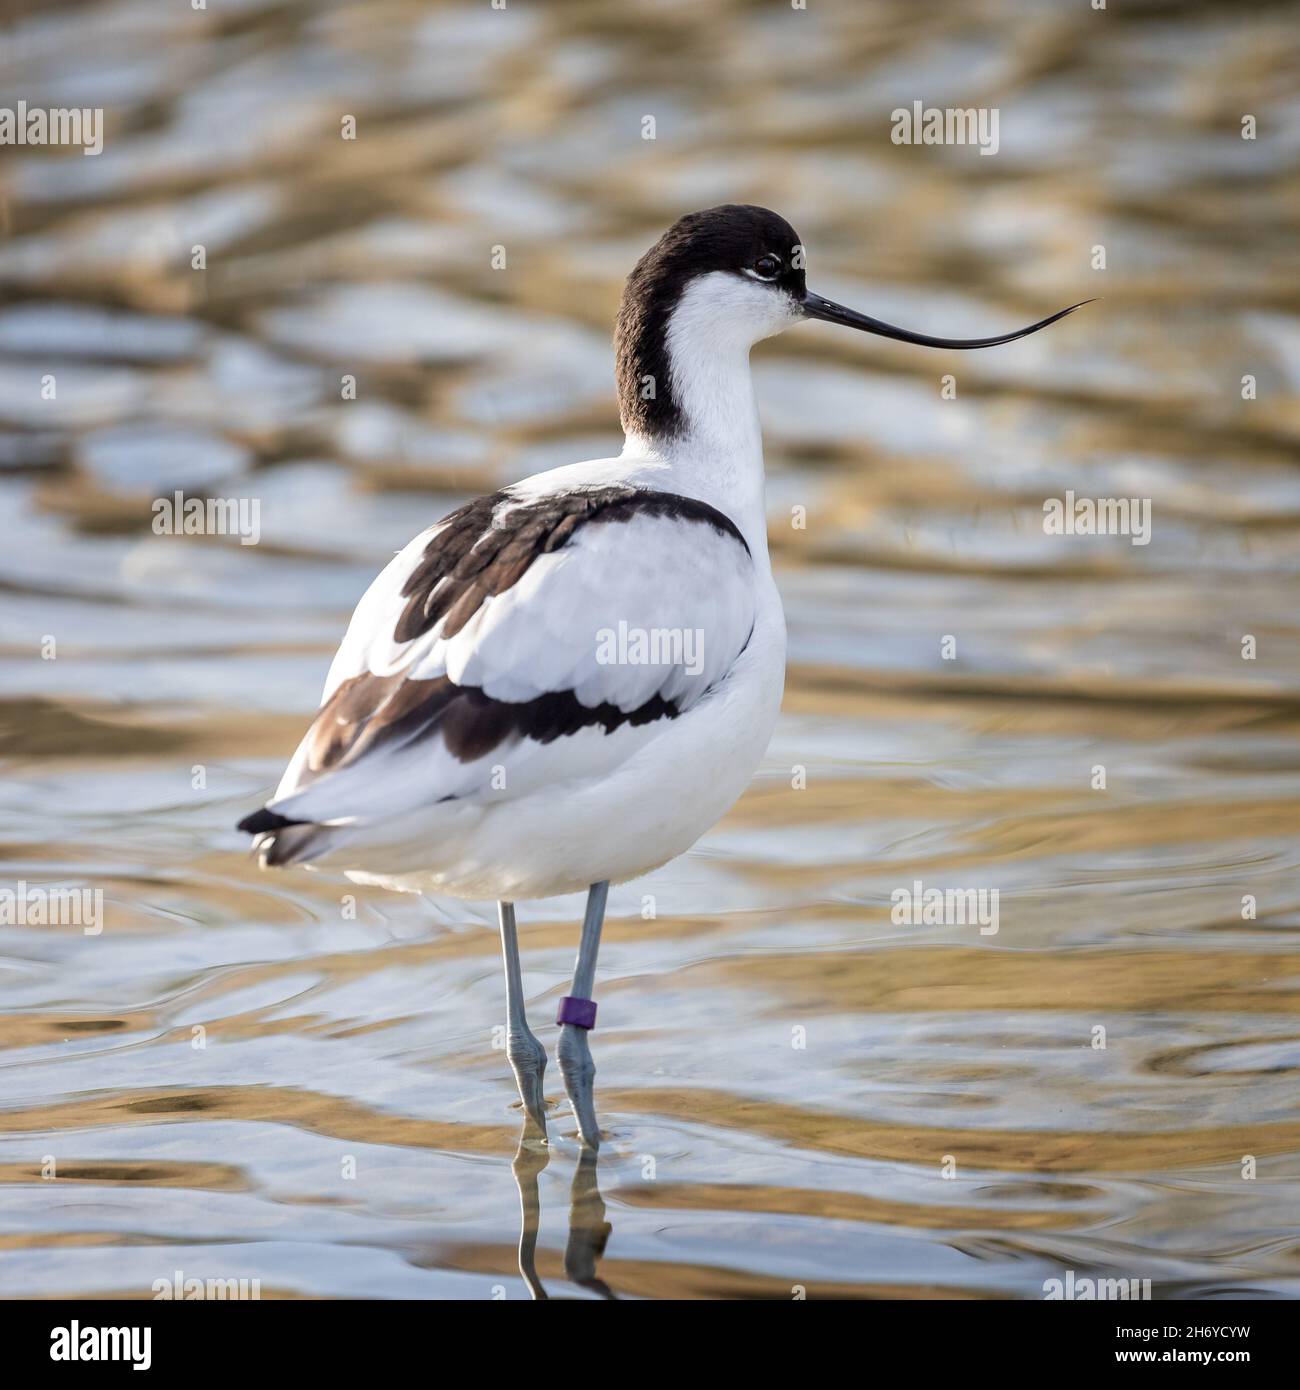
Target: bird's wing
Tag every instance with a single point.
(511, 626)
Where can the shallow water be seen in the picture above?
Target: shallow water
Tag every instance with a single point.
(242, 1076)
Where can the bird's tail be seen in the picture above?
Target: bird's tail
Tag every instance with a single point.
(281, 840)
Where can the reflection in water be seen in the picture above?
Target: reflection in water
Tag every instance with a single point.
(298, 1080)
(588, 1229)
(531, 1158)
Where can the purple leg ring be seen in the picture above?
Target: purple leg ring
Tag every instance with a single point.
(580, 1012)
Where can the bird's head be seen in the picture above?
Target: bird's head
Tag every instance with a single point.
(721, 280)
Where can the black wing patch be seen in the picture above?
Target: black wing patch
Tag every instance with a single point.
(369, 711)
(478, 554)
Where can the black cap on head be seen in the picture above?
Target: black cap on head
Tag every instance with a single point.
(735, 236)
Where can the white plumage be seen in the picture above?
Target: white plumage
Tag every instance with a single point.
(538, 818)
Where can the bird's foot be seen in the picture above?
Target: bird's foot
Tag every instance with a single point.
(579, 1073)
(527, 1058)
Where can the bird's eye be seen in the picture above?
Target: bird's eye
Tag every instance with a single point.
(767, 267)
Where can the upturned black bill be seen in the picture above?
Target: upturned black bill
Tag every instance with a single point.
(815, 307)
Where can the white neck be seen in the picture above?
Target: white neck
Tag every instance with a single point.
(726, 472)
(717, 453)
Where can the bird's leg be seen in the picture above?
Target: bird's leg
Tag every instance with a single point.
(526, 1055)
(577, 1015)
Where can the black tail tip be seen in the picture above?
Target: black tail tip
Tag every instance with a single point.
(264, 820)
